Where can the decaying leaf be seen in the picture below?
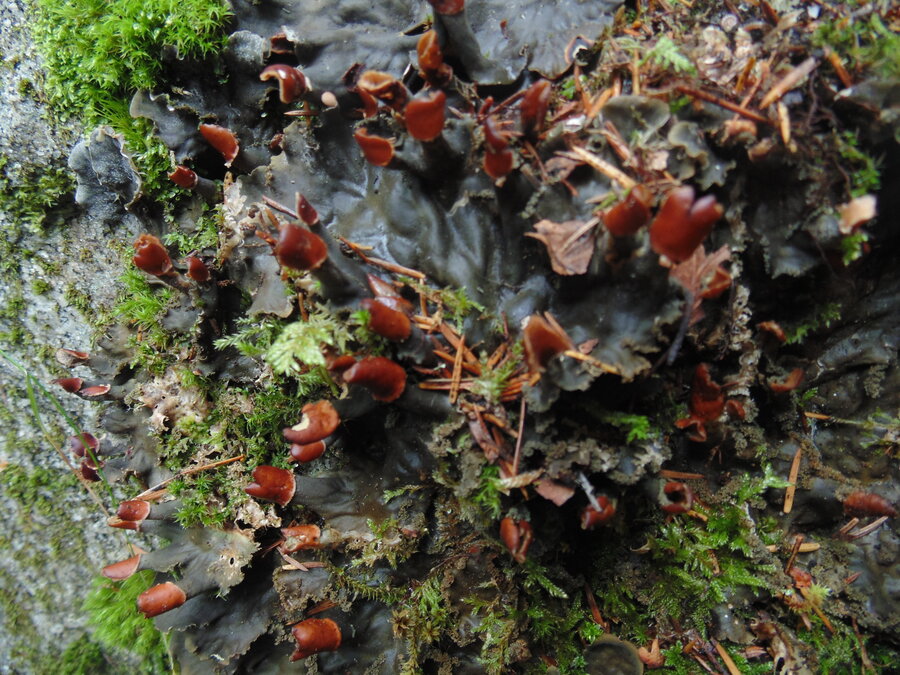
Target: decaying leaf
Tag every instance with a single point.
(698, 273)
(856, 212)
(556, 492)
(570, 244)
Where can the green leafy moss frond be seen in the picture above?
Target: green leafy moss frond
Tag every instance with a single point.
(112, 610)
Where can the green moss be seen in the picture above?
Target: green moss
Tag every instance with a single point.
(839, 653)
(37, 489)
(41, 286)
(112, 611)
(29, 192)
(83, 657)
(864, 170)
(203, 236)
(864, 43)
(142, 306)
(99, 52)
(823, 317)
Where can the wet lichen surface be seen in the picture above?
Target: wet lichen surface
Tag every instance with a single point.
(494, 340)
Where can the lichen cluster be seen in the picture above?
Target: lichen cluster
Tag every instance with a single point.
(546, 310)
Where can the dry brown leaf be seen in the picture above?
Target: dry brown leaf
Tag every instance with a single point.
(569, 244)
(556, 492)
(696, 272)
(856, 212)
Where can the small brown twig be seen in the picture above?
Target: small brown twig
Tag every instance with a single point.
(158, 490)
(521, 436)
(792, 479)
(788, 82)
(722, 103)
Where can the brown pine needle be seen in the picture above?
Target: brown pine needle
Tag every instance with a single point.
(792, 478)
(680, 475)
(158, 490)
(795, 549)
(805, 593)
(497, 356)
(601, 165)
(726, 659)
(871, 527)
(722, 103)
(839, 69)
(788, 82)
(571, 353)
(449, 358)
(784, 122)
(458, 344)
(519, 437)
(806, 547)
(457, 371)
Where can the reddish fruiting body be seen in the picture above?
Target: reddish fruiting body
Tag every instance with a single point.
(384, 87)
(320, 419)
(429, 52)
(542, 342)
(385, 321)
(774, 328)
(677, 498)
(384, 379)
(341, 363)
(630, 214)
(868, 504)
(299, 249)
(183, 177)
(89, 473)
(516, 536)
(197, 269)
(71, 357)
(314, 636)
(133, 510)
(77, 443)
(591, 517)
(448, 7)
(272, 484)
(682, 224)
(802, 578)
(300, 537)
(306, 211)
(308, 452)
(151, 256)
(70, 384)
(388, 295)
(122, 569)
(377, 150)
(790, 383)
(533, 108)
(94, 390)
(221, 139)
(707, 398)
(160, 598)
(494, 138)
(425, 116)
(498, 164)
(292, 83)
(720, 282)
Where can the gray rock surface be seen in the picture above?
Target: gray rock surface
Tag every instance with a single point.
(53, 537)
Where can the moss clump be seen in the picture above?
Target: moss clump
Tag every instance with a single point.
(83, 657)
(28, 193)
(112, 611)
(38, 489)
(98, 53)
